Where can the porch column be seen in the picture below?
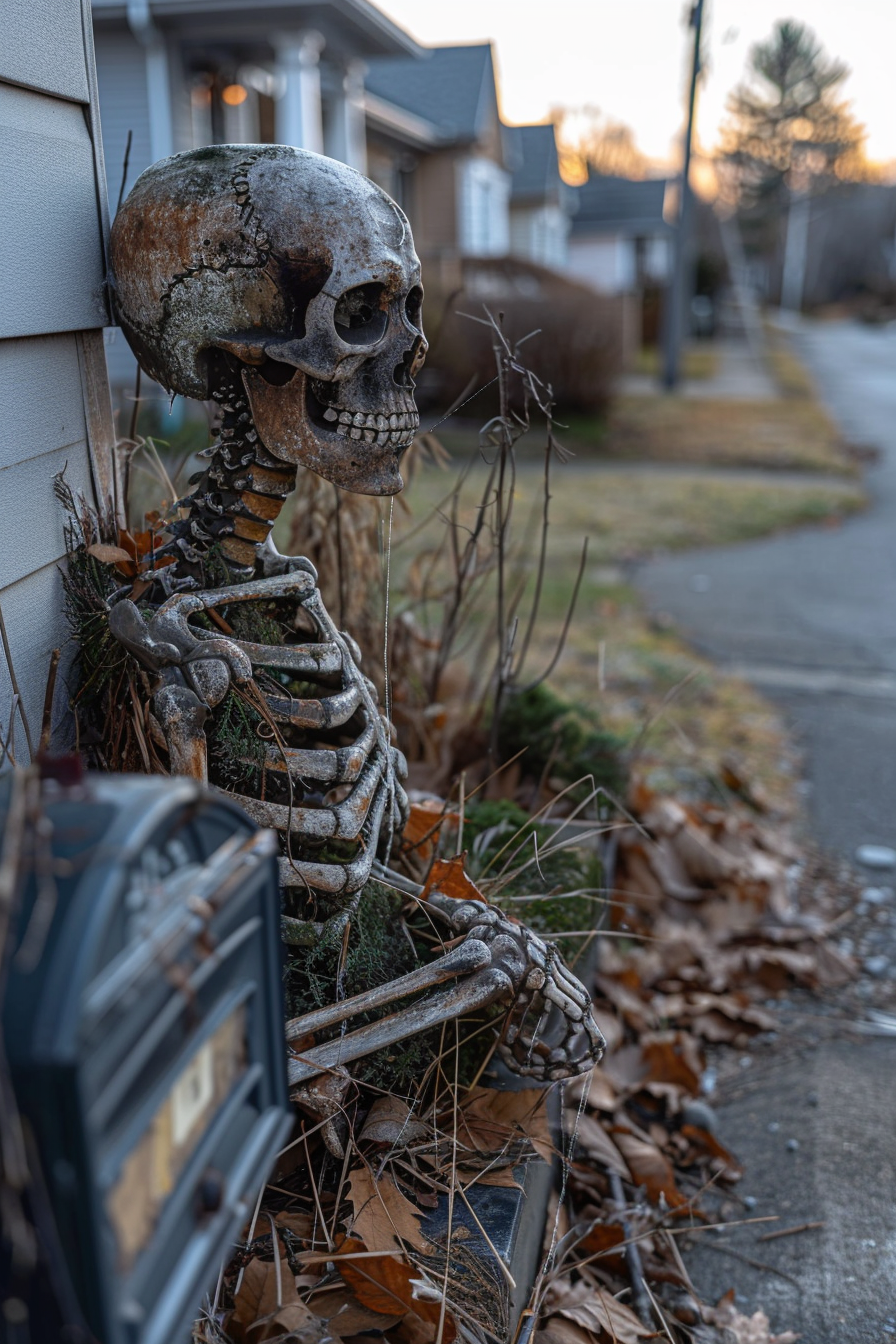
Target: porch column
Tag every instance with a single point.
(298, 113)
(158, 90)
(348, 135)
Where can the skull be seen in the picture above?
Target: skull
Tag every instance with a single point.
(301, 270)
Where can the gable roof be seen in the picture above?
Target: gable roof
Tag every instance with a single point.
(451, 87)
(534, 162)
(619, 205)
(350, 27)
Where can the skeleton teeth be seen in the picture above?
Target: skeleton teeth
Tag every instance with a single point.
(382, 422)
(360, 420)
(342, 430)
(330, 414)
(345, 418)
(355, 432)
(393, 421)
(383, 438)
(369, 435)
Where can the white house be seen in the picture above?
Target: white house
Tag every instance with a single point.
(541, 204)
(619, 241)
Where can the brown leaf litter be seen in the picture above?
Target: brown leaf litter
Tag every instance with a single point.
(710, 918)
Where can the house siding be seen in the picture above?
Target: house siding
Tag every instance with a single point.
(606, 264)
(484, 219)
(540, 234)
(54, 408)
(433, 215)
(121, 79)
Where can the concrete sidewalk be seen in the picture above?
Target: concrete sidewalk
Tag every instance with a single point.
(741, 376)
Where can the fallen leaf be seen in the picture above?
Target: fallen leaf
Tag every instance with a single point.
(598, 1087)
(753, 1329)
(725, 1162)
(593, 1139)
(625, 1068)
(649, 1168)
(449, 878)
(558, 1330)
(673, 1057)
(382, 1217)
(412, 1330)
(489, 1119)
(601, 1241)
(391, 1120)
(108, 555)
(383, 1283)
(425, 820)
(301, 1224)
(597, 1309)
(345, 1314)
(267, 1306)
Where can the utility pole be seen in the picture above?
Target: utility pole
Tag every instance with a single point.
(796, 245)
(674, 318)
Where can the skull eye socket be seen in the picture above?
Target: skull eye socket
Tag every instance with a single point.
(413, 306)
(360, 315)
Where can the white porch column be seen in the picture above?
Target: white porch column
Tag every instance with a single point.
(298, 116)
(158, 90)
(348, 130)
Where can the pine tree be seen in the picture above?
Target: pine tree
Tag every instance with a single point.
(789, 127)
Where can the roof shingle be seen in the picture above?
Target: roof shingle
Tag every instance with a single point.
(533, 160)
(451, 87)
(618, 204)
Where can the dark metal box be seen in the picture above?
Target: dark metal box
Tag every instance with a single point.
(143, 1029)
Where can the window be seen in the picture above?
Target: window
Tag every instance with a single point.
(484, 208)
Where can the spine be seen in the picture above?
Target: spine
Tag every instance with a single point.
(237, 498)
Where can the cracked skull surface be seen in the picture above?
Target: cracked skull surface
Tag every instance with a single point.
(300, 269)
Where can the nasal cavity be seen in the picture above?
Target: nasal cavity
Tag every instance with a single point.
(402, 373)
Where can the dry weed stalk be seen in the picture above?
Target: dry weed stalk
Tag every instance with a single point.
(483, 561)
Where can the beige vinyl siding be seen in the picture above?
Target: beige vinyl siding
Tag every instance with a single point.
(54, 406)
(43, 48)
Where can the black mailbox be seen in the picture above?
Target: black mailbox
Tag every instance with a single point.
(143, 1027)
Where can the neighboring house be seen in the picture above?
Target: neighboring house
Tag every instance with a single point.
(455, 188)
(185, 73)
(337, 77)
(54, 399)
(541, 203)
(619, 242)
(180, 74)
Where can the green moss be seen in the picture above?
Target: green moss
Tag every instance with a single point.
(234, 744)
(256, 622)
(565, 740)
(556, 894)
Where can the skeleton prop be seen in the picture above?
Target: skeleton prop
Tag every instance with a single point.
(284, 287)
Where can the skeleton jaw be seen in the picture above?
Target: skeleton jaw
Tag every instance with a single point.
(312, 422)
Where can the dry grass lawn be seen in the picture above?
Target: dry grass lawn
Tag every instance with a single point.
(697, 361)
(791, 434)
(630, 514)
(688, 720)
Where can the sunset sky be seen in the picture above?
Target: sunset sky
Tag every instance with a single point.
(629, 56)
